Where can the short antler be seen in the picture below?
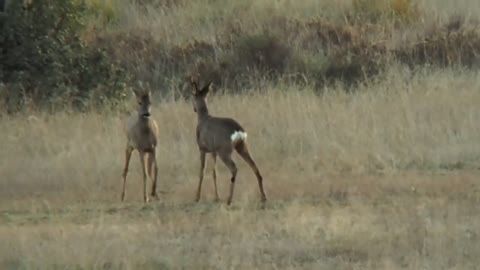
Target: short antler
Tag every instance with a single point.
(194, 83)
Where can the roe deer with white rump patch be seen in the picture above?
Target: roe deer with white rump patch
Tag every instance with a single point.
(142, 135)
(220, 136)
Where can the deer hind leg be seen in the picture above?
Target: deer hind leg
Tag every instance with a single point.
(144, 173)
(214, 174)
(128, 155)
(227, 159)
(243, 152)
(200, 180)
(152, 168)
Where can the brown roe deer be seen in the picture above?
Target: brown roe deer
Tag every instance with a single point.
(219, 137)
(142, 135)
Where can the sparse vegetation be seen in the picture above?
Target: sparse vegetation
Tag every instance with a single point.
(99, 43)
(363, 116)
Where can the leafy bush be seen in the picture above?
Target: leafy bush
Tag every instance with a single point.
(44, 61)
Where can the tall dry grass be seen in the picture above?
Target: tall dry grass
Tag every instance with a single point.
(60, 183)
(401, 232)
(235, 43)
(382, 176)
(425, 121)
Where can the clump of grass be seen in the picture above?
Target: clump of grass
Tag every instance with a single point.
(262, 52)
(378, 10)
(103, 11)
(457, 42)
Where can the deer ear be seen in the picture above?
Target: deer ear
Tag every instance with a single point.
(206, 88)
(136, 92)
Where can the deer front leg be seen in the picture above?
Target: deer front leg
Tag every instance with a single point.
(128, 154)
(144, 171)
(153, 169)
(202, 168)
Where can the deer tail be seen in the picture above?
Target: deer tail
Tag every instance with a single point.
(238, 136)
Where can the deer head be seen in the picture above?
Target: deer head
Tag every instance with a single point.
(143, 103)
(199, 96)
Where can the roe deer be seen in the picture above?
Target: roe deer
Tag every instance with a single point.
(220, 136)
(142, 135)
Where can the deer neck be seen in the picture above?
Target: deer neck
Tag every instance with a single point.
(202, 113)
(143, 125)
(143, 121)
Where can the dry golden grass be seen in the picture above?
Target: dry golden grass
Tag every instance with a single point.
(179, 21)
(383, 178)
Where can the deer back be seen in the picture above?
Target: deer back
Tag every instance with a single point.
(214, 133)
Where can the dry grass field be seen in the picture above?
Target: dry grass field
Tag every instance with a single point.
(384, 176)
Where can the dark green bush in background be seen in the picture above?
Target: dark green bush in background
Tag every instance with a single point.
(44, 62)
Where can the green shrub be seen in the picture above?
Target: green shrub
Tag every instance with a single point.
(102, 11)
(43, 59)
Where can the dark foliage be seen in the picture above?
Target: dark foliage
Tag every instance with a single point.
(44, 61)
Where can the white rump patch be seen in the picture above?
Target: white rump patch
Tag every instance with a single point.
(239, 136)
